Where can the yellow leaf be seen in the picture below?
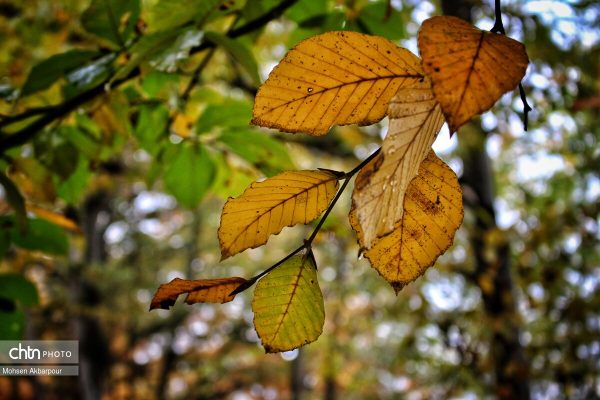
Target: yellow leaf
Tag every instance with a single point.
(415, 120)
(199, 291)
(265, 208)
(433, 212)
(334, 78)
(470, 68)
(288, 305)
(55, 218)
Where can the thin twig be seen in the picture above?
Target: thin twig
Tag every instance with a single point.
(499, 28)
(8, 141)
(307, 245)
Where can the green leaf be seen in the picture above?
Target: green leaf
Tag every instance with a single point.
(15, 199)
(12, 325)
(40, 235)
(230, 180)
(155, 82)
(151, 126)
(288, 305)
(231, 113)
(305, 9)
(44, 74)
(84, 142)
(73, 187)
(167, 14)
(16, 287)
(89, 75)
(112, 20)
(374, 18)
(189, 174)
(162, 50)
(239, 51)
(265, 153)
(4, 240)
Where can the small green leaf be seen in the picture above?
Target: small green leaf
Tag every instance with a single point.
(73, 187)
(88, 75)
(239, 51)
(163, 50)
(305, 9)
(44, 74)
(168, 14)
(374, 17)
(231, 180)
(12, 325)
(40, 235)
(151, 126)
(288, 305)
(230, 113)
(16, 287)
(112, 20)
(262, 151)
(15, 199)
(189, 174)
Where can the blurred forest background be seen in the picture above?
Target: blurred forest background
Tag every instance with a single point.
(125, 131)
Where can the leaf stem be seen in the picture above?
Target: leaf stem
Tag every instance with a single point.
(499, 28)
(307, 245)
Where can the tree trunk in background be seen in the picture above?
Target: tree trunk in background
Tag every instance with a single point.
(94, 355)
(492, 272)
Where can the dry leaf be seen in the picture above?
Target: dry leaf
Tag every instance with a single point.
(433, 212)
(54, 217)
(265, 208)
(199, 291)
(334, 78)
(470, 68)
(415, 120)
(288, 305)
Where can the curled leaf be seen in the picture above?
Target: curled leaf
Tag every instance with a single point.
(470, 68)
(433, 211)
(415, 120)
(199, 291)
(335, 78)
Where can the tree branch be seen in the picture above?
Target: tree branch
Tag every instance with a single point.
(8, 141)
(499, 28)
(307, 245)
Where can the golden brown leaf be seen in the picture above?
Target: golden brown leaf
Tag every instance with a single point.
(199, 291)
(265, 208)
(470, 68)
(335, 78)
(433, 212)
(415, 120)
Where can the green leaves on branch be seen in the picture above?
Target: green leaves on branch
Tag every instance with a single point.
(111, 20)
(47, 72)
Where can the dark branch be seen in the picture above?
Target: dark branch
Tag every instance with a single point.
(499, 28)
(8, 141)
(526, 106)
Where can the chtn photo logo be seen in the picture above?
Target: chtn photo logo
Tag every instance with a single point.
(24, 353)
(31, 353)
